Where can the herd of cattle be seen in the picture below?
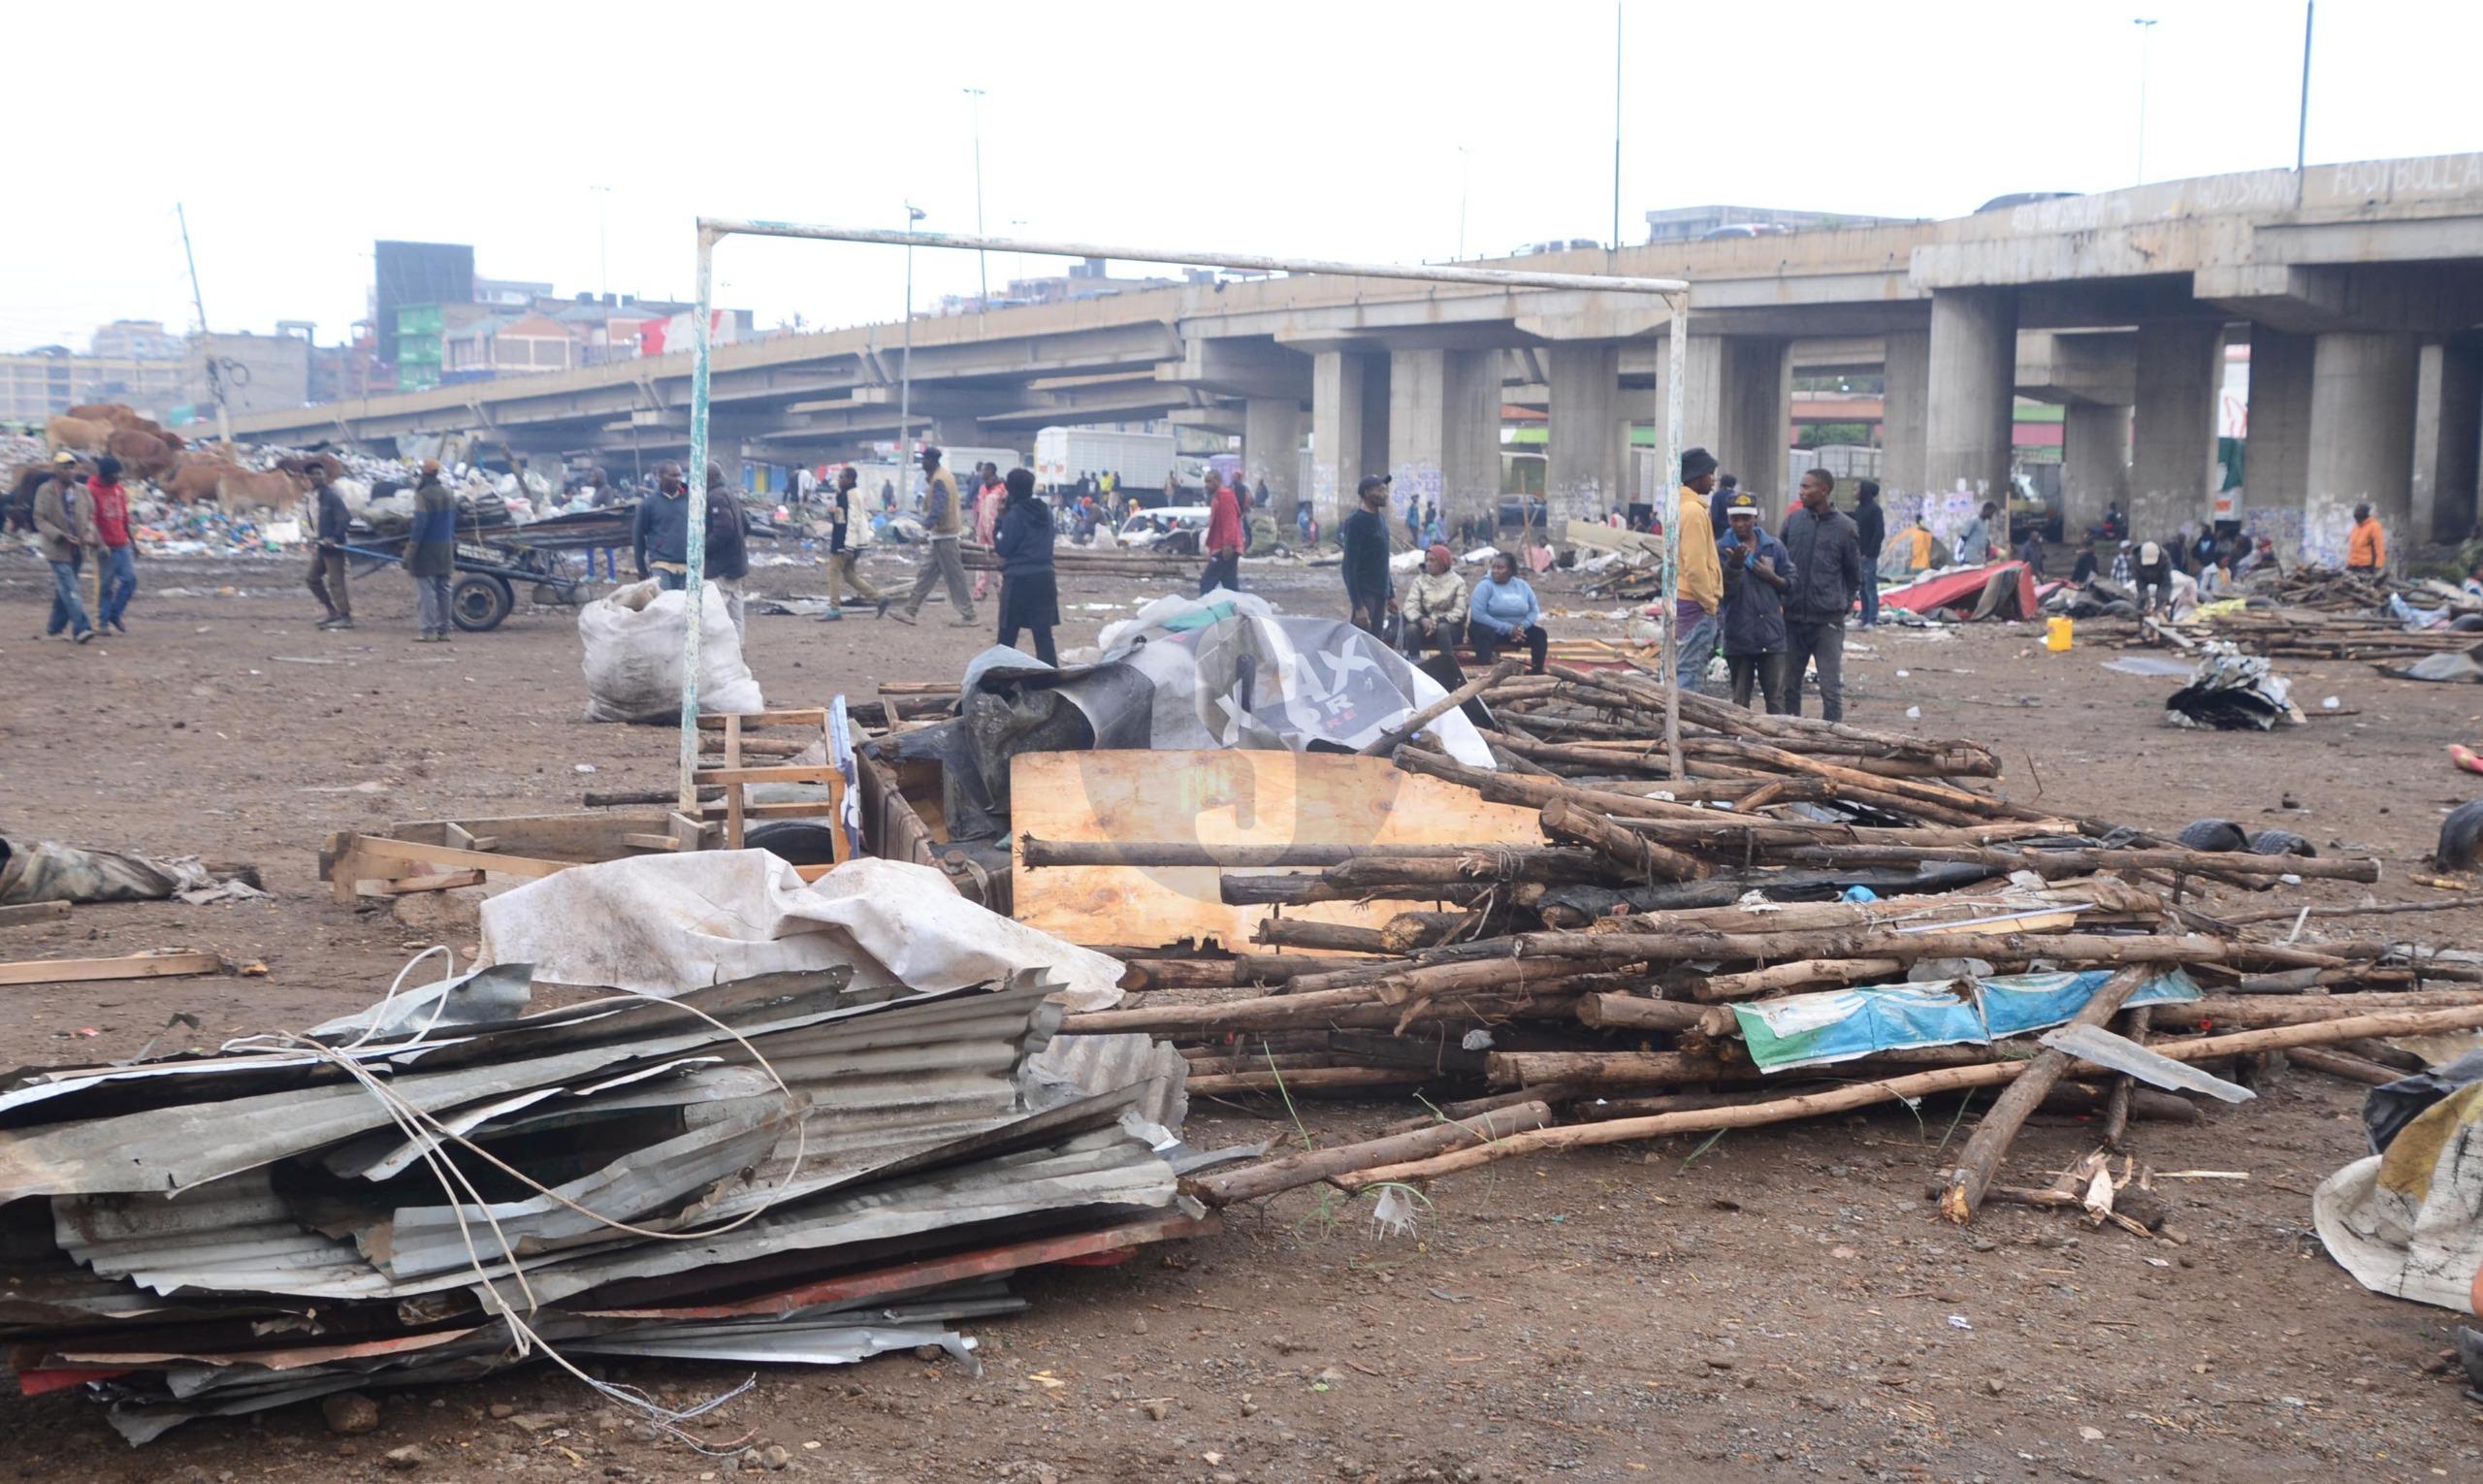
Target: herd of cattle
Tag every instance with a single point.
(184, 472)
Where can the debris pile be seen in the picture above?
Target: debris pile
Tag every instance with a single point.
(812, 1165)
(1677, 956)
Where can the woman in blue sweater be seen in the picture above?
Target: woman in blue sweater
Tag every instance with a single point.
(1029, 592)
(1504, 611)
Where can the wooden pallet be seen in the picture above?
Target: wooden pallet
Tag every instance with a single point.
(734, 774)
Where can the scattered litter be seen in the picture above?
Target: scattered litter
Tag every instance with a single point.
(2232, 692)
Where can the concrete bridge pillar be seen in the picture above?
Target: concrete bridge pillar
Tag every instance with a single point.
(1271, 453)
(1588, 432)
(2448, 422)
(2094, 456)
(1444, 433)
(1968, 420)
(1906, 393)
(1737, 402)
(1348, 430)
(2361, 438)
(2180, 373)
(2275, 454)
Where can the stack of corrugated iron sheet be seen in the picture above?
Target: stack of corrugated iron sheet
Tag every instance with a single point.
(783, 1169)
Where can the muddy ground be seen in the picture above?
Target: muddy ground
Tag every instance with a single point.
(1778, 1302)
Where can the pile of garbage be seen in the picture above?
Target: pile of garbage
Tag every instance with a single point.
(814, 1164)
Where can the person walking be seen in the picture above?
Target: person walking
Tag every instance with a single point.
(64, 531)
(109, 499)
(1700, 596)
(727, 557)
(430, 553)
(1871, 523)
(945, 520)
(1757, 573)
(849, 534)
(1371, 594)
(1223, 538)
(1826, 551)
(2366, 547)
(330, 522)
(1029, 588)
(1974, 539)
(659, 536)
(988, 496)
(1433, 611)
(1504, 611)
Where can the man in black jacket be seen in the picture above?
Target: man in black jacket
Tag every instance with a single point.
(1871, 521)
(728, 559)
(1828, 563)
(328, 558)
(1370, 593)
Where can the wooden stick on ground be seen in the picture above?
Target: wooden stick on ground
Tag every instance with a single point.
(69, 971)
(1981, 1160)
(1398, 735)
(1252, 1182)
(1856, 1095)
(33, 911)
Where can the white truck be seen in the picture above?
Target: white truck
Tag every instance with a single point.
(1138, 459)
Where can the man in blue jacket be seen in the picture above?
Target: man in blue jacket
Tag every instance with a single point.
(1757, 573)
(659, 537)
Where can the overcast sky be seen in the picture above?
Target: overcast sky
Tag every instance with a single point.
(1329, 129)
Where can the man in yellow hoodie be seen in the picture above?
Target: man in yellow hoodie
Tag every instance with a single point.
(1699, 599)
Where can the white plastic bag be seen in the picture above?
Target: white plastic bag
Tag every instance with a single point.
(633, 639)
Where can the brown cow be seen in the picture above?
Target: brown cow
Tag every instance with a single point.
(142, 455)
(119, 414)
(76, 432)
(240, 492)
(318, 466)
(194, 478)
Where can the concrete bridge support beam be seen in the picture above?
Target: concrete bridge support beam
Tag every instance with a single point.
(2361, 438)
(2095, 469)
(1444, 433)
(2276, 454)
(1588, 435)
(1272, 454)
(1348, 430)
(1968, 419)
(1737, 402)
(1904, 399)
(2181, 372)
(2448, 423)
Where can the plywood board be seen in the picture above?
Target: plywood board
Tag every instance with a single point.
(1223, 797)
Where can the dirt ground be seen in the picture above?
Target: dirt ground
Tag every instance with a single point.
(1779, 1302)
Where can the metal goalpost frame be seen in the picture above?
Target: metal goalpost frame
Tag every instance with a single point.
(1675, 292)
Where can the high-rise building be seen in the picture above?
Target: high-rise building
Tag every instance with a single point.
(416, 274)
(137, 339)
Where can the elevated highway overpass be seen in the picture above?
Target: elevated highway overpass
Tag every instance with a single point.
(2358, 286)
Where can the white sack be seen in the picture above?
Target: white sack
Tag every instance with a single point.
(633, 638)
(663, 924)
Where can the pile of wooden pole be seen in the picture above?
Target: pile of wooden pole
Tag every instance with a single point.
(1582, 990)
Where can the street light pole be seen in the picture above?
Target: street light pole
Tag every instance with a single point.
(1615, 125)
(2302, 122)
(982, 260)
(1464, 190)
(2146, 35)
(905, 362)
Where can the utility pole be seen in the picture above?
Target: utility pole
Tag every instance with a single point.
(2301, 123)
(2145, 36)
(1615, 125)
(905, 363)
(205, 351)
(982, 260)
(603, 241)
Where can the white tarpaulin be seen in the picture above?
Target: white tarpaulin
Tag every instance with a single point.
(2410, 1221)
(663, 924)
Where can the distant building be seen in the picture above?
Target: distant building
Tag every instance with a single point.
(1689, 224)
(1087, 278)
(510, 293)
(259, 373)
(137, 339)
(416, 274)
(50, 379)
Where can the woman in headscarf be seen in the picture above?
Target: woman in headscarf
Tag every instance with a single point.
(1029, 590)
(1432, 605)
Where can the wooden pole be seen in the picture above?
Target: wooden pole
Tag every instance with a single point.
(1981, 1159)
(1404, 731)
(2419, 1022)
(1253, 1183)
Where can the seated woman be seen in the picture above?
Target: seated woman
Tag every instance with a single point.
(1433, 606)
(1503, 611)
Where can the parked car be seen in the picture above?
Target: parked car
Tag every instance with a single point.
(1529, 510)
(1177, 528)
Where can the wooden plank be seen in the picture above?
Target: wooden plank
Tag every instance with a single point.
(652, 842)
(1224, 798)
(580, 836)
(445, 880)
(817, 772)
(71, 971)
(32, 912)
(733, 792)
(379, 848)
(774, 716)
